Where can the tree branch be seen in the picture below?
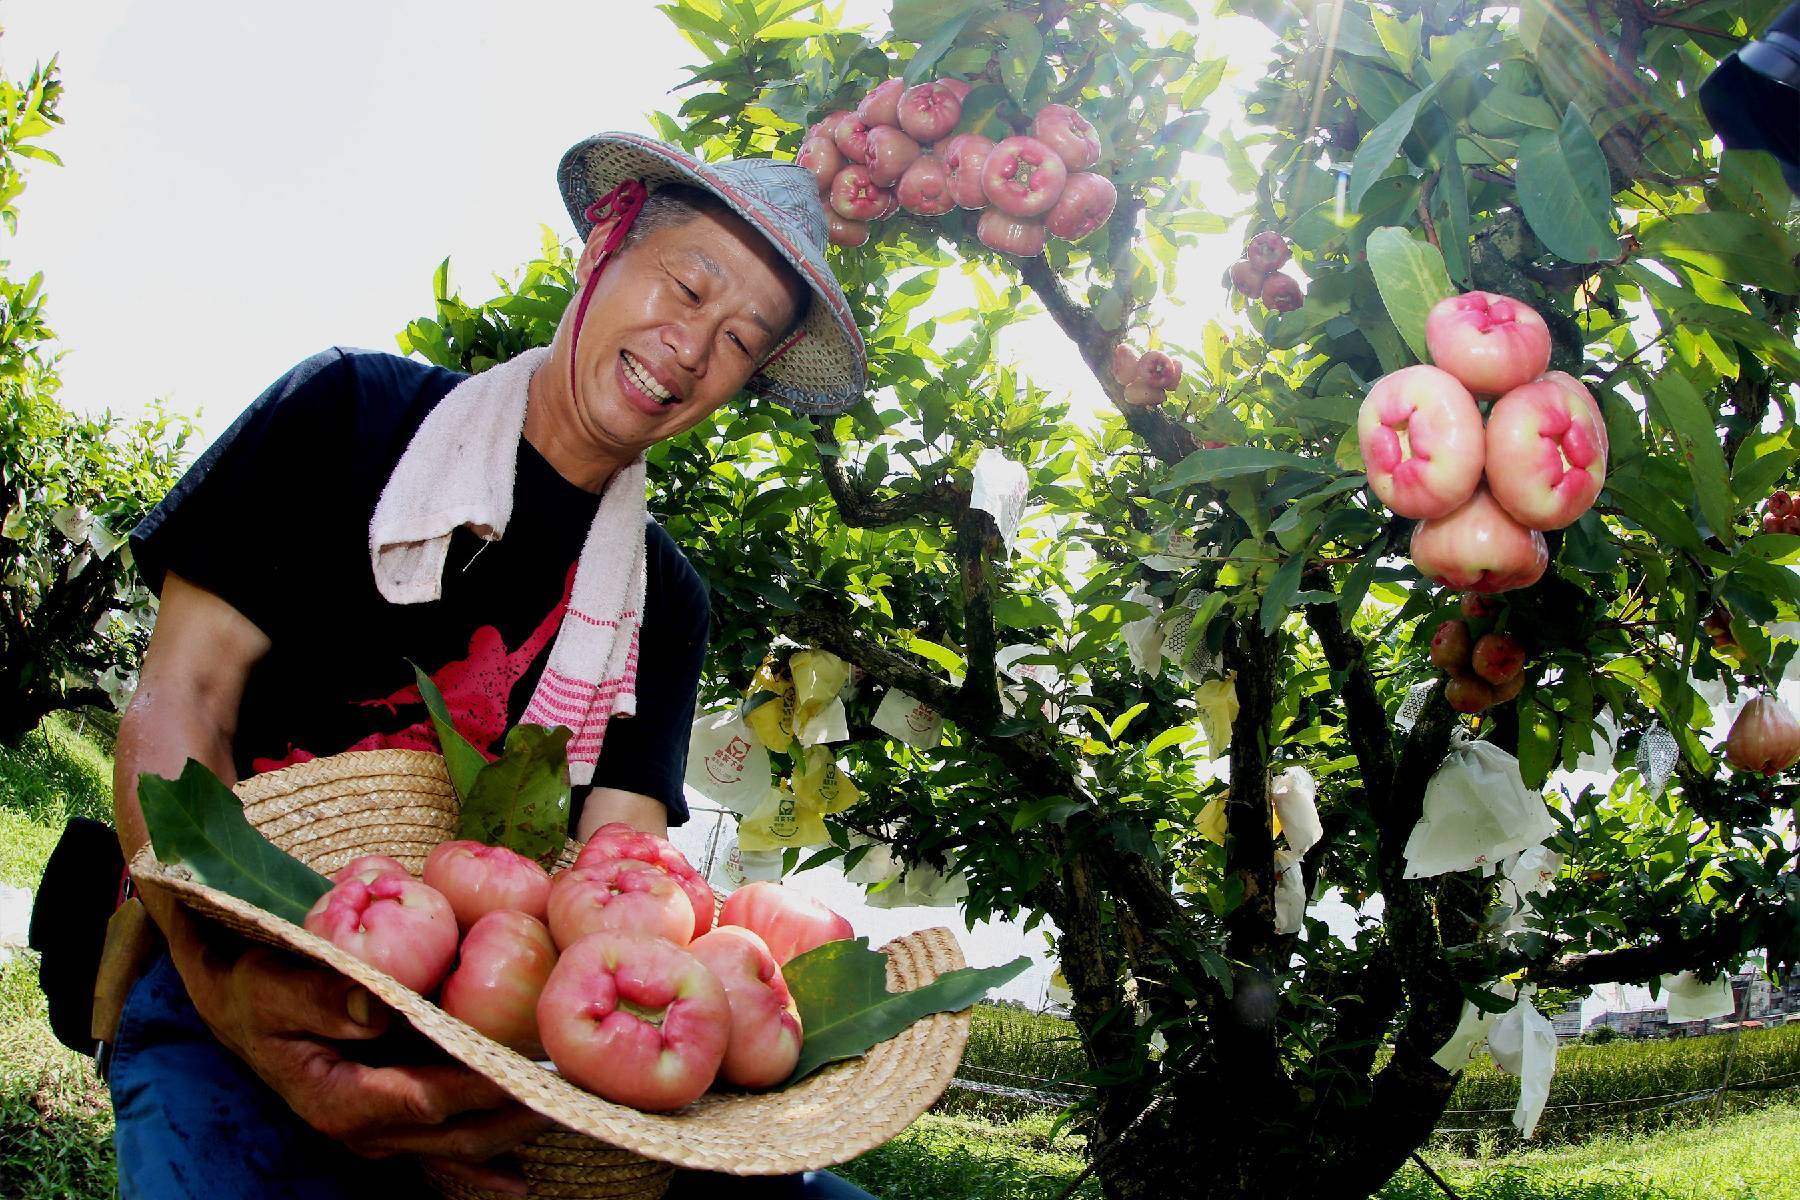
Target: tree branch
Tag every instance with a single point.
(1637, 964)
(941, 499)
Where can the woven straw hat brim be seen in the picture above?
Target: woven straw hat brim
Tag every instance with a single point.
(826, 370)
(828, 1118)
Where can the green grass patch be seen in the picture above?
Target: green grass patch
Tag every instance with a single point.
(55, 1116)
(941, 1156)
(52, 774)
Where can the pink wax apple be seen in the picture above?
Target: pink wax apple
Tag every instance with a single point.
(855, 195)
(500, 972)
(370, 866)
(1281, 293)
(828, 124)
(1159, 370)
(789, 922)
(1546, 451)
(1765, 738)
(1266, 252)
(1070, 134)
(1023, 177)
(842, 231)
(1124, 365)
(929, 111)
(616, 839)
(965, 158)
(890, 153)
(852, 137)
(1479, 548)
(820, 155)
(635, 1020)
(765, 1021)
(925, 188)
(998, 230)
(478, 879)
(1086, 201)
(394, 923)
(960, 88)
(882, 105)
(1142, 394)
(1422, 442)
(1492, 343)
(619, 893)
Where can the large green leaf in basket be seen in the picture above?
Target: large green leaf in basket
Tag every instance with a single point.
(845, 1007)
(461, 759)
(197, 822)
(521, 799)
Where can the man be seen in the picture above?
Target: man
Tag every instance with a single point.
(369, 512)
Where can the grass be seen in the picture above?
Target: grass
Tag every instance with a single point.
(55, 1117)
(54, 773)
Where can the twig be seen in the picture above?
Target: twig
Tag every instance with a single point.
(1434, 1176)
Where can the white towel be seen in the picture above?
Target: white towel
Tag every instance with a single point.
(459, 470)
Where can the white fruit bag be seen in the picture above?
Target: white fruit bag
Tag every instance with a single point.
(1290, 892)
(1295, 795)
(1000, 488)
(1477, 811)
(1472, 1030)
(1144, 636)
(726, 763)
(1690, 999)
(911, 721)
(1216, 707)
(1529, 873)
(1523, 1043)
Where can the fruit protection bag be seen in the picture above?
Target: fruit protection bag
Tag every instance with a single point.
(1472, 1030)
(1477, 811)
(769, 709)
(911, 721)
(781, 821)
(999, 488)
(819, 678)
(1529, 873)
(726, 762)
(1290, 892)
(1690, 999)
(1295, 796)
(1144, 636)
(1216, 707)
(1523, 1043)
(820, 785)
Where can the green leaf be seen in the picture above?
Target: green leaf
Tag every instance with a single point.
(1761, 461)
(1017, 610)
(1207, 466)
(1411, 276)
(1380, 147)
(1124, 719)
(1280, 596)
(1732, 246)
(1022, 49)
(1566, 193)
(1684, 412)
(1537, 743)
(933, 48)
(197, 822)
(943, 656)
(521, 799)
(1180, 735)
(845, 1007)
(461, 758)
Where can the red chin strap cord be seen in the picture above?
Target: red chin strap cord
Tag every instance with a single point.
(622, 205)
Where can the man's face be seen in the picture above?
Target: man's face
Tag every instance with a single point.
(678, 323)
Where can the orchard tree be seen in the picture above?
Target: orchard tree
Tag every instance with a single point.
(1402, 153)
(73, 617)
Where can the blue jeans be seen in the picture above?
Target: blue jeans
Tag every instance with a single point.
(191, 1120)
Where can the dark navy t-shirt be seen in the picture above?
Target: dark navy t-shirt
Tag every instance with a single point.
(274, 519)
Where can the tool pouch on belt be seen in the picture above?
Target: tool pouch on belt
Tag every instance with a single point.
(74, 901)
(132, 940)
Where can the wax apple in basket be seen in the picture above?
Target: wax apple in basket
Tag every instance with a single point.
(394, 923)
(765, 1023)
(788, 922)
(501, 969)
(616, 839)
(635, 1020)
(618, 893)
(478, 879)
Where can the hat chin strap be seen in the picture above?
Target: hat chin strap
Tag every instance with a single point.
(621, 205)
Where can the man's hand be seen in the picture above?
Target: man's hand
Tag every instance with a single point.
(286, 1019)
(604, 805)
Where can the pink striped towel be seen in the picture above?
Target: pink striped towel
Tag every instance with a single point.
(459, 470)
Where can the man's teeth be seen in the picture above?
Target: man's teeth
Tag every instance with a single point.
(646, 381)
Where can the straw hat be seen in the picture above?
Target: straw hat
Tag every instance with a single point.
(399, 802)
(825, 369)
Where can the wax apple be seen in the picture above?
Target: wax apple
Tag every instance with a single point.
(842, 231)
(1479, 607)
(765, 1022)
(394, 923)
(1497, 657)
(501, 969)
(1422, 443)
(1124, 365)
(1159, 369)
(478, 879)
(635, 1020)
(828, 124)
(1008, 234)
(965, 158)
(616, 839)
(820, 155)
(1247, 279)
(790, 923)
(370, 866)
(929, 111)
(890, 153)
(1479, 548)
(852, 137)
(619, 893)
(1508, 690)
(1070, 134)
(1023, 177)
(1492, 343)
(1087, 200)
(856, 196)
(1765, 738)
(1281, 293)
(1451, 647)
(882, 105)
(1141, 394)
(1546, 451)
(925, 188)
(960, 88)
(1267, 251)
(1468, 694)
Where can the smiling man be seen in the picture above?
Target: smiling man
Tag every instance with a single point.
(369, 512)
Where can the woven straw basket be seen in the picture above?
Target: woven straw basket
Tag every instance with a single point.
(399, 802)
